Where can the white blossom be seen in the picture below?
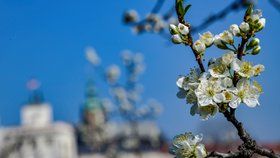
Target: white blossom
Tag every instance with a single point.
(188, 145)
(183, 29)
(218, 69)
(243, 68)
(176, 39)
(244, 27)
(208, 92)
(228, 58)
(258, 69)
(234, 29)
(92, 56)
(261, 23)
(205, 112)
(180, 82)
(246, 93)
(199, 46)
(207, 38)
(173, 29)
(190, 81)
(218, 42)
(256, 15)
(113, 73)
(226, 37)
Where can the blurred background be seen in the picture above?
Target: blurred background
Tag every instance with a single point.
(97, 78)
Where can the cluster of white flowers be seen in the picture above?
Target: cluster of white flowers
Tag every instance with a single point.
(131, 16)
(210, 90)
(254, 22)
(152, 23)
(188, 145)
(179, 33)
(92, 56)
(128, 96)
(228, 80)
(113, 73)
(133, 63)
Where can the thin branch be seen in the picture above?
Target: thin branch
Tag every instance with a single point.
(190, 39)
(249, 146)
(275, 4)
(157, 6)
(223, 155)
(234, 6)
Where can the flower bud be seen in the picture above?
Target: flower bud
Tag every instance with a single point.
(256, 50)
(199, 46)
(176, 39)
(226, 37)
(256, 15)
(218, 42)
(183, 29)
(234, 29)
(207, 38)
(244, 27)
(173, 29)
(253, 43)
(261, 24)
(131, 16)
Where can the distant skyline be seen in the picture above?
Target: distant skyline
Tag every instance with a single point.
(46, 39)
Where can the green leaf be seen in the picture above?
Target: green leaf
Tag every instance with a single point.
(180, 7)
(186, 9)
(249, 10)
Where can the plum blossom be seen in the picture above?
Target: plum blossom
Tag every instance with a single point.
(234, 29)
(207, 38)
(258, 69)
(245, 92)
(218, 69)
(179, 33)
(113, 73)
(92, 56)
(176, 39)
(244, 27)
(188, 145)
(183, 29)
(199, 46)
(208, 92)
(226, 37)
(246, 69)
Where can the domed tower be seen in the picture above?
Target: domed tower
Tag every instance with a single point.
(91, 130)
(93, 111)
(36, 113)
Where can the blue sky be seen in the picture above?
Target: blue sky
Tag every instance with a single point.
(46, 39)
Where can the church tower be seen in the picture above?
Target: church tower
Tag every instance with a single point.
(36, 113)
(91, 136)
(93, 110)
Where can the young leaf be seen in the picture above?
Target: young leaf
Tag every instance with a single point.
(187, 8)
(180, 7)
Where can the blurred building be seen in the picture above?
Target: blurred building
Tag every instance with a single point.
(95, 136)
(100, 137)
(38, 136)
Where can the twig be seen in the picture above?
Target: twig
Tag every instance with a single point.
(275, 4)
(223, 155)
(249, 146)
(190, 39)
(234, 6)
